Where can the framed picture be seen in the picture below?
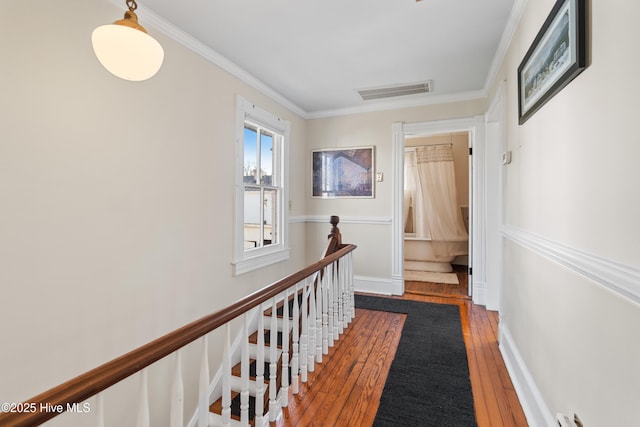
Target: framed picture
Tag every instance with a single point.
(346, 172)
(556, 56)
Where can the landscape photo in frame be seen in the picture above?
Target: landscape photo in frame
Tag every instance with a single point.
(556, 56)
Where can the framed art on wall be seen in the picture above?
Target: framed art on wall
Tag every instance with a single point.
(556, 56)
(345, 172)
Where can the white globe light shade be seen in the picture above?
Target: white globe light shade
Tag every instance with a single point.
(126, 52)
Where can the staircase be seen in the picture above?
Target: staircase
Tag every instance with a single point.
(260, 400)
(306, 326)
(284, 330)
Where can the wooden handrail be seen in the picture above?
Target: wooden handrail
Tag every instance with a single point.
(86, 385)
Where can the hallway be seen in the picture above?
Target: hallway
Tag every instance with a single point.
(345, 395)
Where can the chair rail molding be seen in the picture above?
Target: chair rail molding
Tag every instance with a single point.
(620, 279)
(343, 219)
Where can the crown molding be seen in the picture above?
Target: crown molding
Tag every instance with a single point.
(151, 19)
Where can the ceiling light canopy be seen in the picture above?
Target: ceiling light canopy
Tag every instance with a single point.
(125, 49)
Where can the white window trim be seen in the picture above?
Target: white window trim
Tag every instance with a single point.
(244, 261)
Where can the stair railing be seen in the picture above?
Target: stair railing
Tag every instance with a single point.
(324, 286)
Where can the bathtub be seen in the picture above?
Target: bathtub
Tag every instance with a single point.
(419, 255)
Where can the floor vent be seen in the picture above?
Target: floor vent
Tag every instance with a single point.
(393, 91)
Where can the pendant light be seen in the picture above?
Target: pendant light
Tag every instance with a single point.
(125, 49)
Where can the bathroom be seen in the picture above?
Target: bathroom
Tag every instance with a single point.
(436, 213)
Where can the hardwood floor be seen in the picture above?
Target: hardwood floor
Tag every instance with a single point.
(346, 389)
(442, 289)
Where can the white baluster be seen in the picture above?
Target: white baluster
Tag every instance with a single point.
(334, 300)
(99, 410)
(311, 349)
(143, 408)
(304, 335)
(260, 369)
(244, 373)
(203, 403)
(324, 291)
(340, 292)
(345, 294)
(348, 285)
(295, 361)
(319, 315)
(329, 294)
(177, 394)
(226, 377)
(352, 307)
(284, 393)
(273, 364)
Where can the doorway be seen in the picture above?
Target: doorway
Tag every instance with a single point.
(436, 214)
(473, 128)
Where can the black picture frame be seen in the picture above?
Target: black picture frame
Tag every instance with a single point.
(556, 56)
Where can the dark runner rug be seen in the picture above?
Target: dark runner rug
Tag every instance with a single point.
(428, 382)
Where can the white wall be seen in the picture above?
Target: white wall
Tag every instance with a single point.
(572, 226)
(116, 200)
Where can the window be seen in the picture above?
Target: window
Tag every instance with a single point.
(260, 236)
(261, 187)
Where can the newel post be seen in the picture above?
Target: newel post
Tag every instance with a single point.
(335, 237)
(335, 231)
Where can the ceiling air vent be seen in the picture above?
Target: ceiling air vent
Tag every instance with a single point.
(393, 91)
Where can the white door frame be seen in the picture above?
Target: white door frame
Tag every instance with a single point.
(477, 236)
(495, 148)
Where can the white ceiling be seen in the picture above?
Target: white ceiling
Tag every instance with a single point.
(316, 54)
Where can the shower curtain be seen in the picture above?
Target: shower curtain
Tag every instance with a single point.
(431, 207)
(410, 174)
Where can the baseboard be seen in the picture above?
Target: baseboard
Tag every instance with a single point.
(397, 285)
(479, 293)
(377, 285)
(533, 405)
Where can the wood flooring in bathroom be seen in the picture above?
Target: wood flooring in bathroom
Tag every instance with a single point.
(442, 289)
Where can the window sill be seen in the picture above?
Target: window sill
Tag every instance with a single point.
(260, 260)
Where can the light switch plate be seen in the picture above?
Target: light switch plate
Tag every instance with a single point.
(506, 157)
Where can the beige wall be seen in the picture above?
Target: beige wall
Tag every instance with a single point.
(573, 183)
(371, 228)
(116, 206)
(116, 200)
